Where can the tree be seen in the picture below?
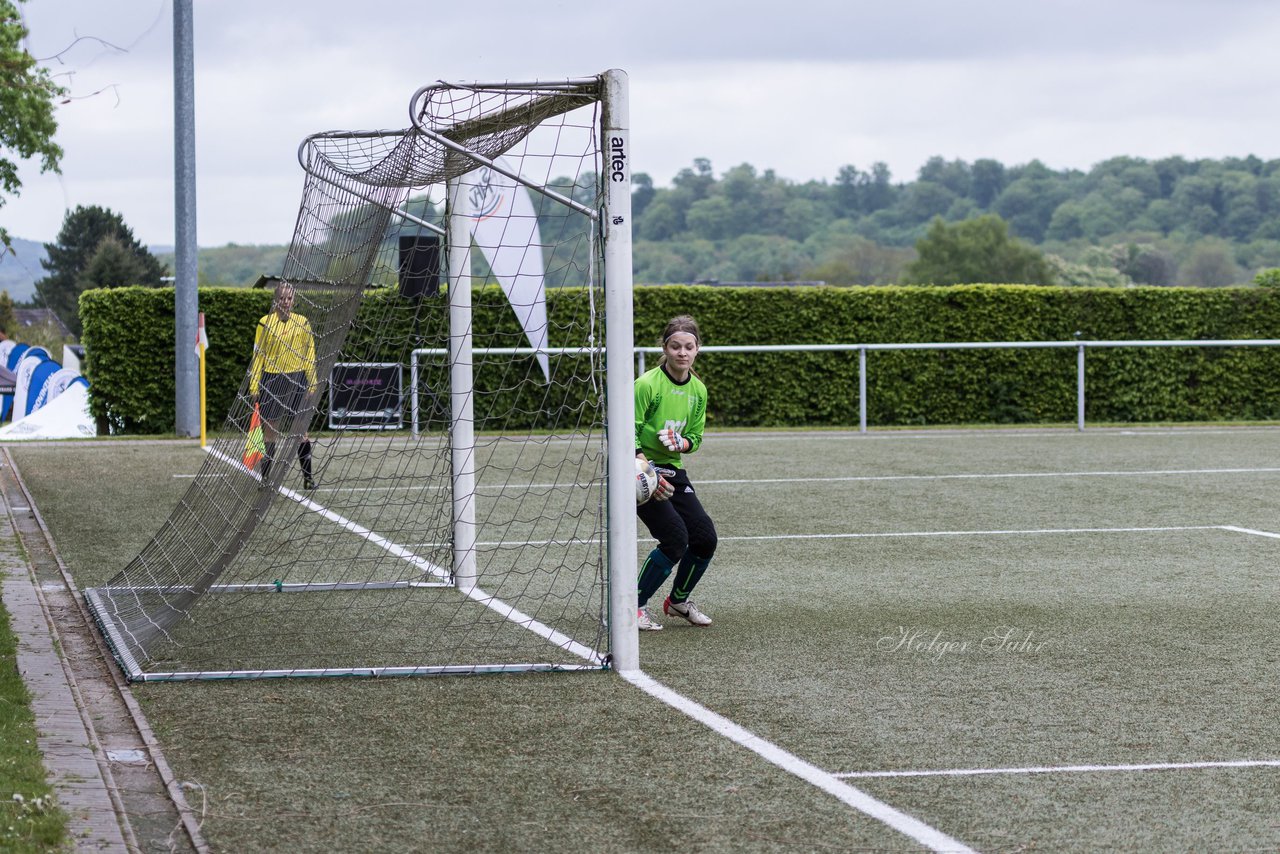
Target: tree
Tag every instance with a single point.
(641, 193)
(1086, 275)
(1211, 265)
(854, 260)
(7, 321)
(879, 191)
(80, 260)
(1144, 263)
(801, 218)
(1030, 198)
(695, 183)
(112, 265)
(661, 221)
(956, 176)
(846, 194)
(924, 200)
(763, 258)
(1269, 278)
(976, 250)
(988, 181)
(27, 97)
(710, 218)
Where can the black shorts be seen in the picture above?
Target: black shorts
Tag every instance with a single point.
(680, 522)
(281, 395)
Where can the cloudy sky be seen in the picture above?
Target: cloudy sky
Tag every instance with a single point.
(802, 87)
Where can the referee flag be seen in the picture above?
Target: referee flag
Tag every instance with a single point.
(255, 447)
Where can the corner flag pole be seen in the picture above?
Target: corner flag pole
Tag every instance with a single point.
(202, 344)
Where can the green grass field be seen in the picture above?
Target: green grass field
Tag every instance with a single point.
(1025, 640)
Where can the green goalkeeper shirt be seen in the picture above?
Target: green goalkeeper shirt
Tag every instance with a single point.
(663, 403)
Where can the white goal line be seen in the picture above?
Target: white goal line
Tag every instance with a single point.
(1064, 769)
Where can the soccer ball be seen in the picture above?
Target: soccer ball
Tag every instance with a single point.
(646, 481)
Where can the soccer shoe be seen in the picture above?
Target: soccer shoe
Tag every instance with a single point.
(308, 483)
(686, 609)
(645, 623)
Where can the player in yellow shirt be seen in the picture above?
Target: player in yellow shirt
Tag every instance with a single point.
(282, 378)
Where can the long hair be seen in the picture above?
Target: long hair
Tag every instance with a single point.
(679, 323)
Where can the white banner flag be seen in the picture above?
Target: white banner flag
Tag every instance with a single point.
(505, 228)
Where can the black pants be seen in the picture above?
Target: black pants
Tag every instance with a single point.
(679, 524)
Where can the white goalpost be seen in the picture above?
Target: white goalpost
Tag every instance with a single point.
(498, 534)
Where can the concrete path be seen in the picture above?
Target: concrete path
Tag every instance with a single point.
(107, 771)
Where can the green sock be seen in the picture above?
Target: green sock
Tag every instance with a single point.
(688, 575)
(657, 567)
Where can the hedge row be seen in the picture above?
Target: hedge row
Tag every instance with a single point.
(128, 337)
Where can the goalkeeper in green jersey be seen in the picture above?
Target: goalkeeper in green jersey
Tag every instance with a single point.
(671, 413)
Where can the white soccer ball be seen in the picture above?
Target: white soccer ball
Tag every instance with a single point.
(646, 481)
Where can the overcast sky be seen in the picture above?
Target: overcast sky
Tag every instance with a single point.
(802, 87)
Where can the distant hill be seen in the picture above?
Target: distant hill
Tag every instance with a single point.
(231, 265)
(19, 272)
(225, 265)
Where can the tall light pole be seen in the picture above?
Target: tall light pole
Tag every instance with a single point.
(186, 301)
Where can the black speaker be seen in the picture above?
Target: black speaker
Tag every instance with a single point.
(419, 266)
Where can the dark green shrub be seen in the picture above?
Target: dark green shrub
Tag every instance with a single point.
(129, 343)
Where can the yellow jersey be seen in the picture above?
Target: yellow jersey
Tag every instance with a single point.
(283, 347)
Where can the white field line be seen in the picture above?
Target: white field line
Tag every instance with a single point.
(1251, 531)
(1064, 769)
(884, 434)
(993, 533)
(846, 479)
(491, 602)
(933, 839)
(991, 476)
(884, 534)
(929, 837)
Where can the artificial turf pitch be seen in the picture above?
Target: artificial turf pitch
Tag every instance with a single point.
(980, 607)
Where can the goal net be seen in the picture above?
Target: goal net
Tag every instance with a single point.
(467, 285)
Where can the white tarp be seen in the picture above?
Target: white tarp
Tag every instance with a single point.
(26, 369)
(58, 382)
(66, 417)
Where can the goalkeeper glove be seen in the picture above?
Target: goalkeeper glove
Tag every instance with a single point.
(673, 441)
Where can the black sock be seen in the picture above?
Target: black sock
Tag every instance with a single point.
(266, 461)
(304, 458)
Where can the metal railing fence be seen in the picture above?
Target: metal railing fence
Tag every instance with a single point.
(1080, 345)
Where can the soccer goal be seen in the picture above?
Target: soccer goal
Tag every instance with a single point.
(499, 534)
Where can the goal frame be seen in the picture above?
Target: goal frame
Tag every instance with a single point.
(612, 222)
